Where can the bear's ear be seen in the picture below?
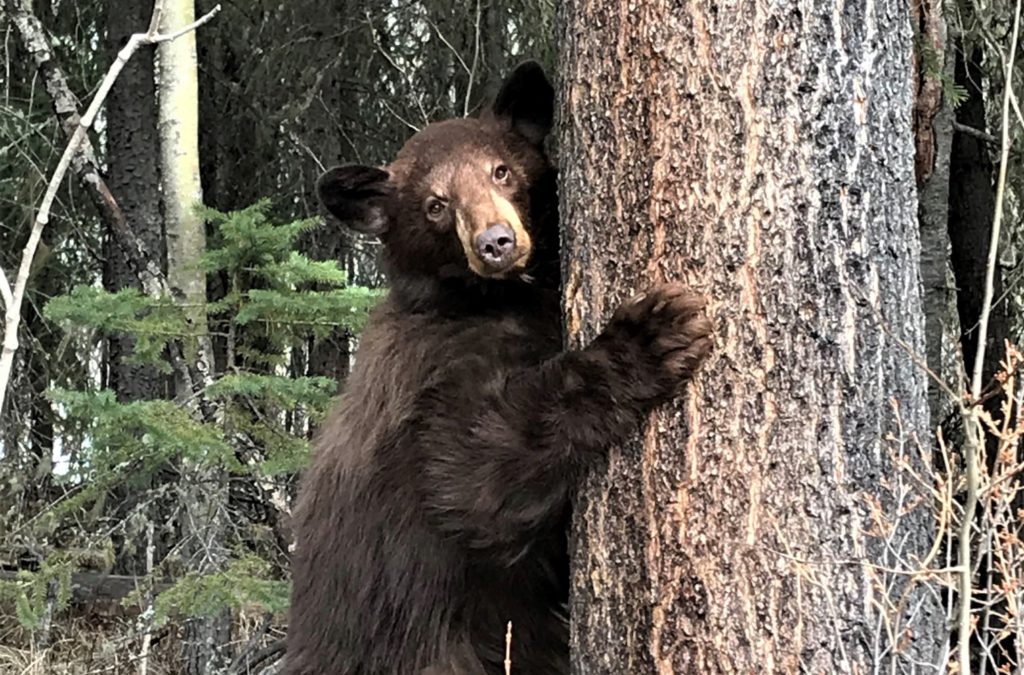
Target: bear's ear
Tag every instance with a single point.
(357, 195)
(527, 100)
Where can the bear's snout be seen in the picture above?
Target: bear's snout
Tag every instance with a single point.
(496, 245)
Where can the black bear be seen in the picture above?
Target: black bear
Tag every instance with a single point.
(435, 509)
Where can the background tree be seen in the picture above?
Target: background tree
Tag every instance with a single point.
(133, 173)
(203, 484)
(764, 155)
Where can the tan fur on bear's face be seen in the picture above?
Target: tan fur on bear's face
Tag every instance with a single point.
(468, 194)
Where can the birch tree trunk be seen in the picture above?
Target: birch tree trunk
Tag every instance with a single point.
(762, 153)
(179, 152)
(203, 487)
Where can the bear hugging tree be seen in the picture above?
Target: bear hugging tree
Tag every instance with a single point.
(435, 510)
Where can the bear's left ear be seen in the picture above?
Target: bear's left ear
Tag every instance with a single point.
(358, 196)
(527, 101)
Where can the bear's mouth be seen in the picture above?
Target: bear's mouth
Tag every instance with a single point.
(503, 269)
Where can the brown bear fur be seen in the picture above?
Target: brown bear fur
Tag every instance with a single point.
(435, 509)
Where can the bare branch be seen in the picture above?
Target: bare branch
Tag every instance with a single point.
(147, 635)
(508, 633)
(476, 60)
(168, 37)
(976, 133)
(972, 426)
(401, 71)
(471, 72)
(399, 117)
(451, 48)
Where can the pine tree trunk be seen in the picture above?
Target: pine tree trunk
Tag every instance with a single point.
(933, 132)
(761, 153)
(133, 174)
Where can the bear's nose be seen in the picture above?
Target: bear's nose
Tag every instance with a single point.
(496, 244)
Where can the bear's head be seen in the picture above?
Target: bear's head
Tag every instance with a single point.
(470, 198)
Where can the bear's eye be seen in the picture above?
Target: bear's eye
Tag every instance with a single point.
(435, 207)
(500, 173)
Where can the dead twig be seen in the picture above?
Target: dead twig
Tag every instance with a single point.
(508, 649)
(974, 438)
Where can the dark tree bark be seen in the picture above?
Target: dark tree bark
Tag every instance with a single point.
(933, 134)
(764, 154)
(133, 175)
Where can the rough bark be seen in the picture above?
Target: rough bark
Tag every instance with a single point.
(133, 175)
(764, 154)
(933, 134)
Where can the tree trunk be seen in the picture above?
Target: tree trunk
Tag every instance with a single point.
(133, 174)
(133, 156)
(764, 154)
(933, 133)
(206, 644)
(179, 159)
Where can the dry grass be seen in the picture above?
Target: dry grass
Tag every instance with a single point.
(100, 643)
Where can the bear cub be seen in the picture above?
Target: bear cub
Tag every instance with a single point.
(435, 509)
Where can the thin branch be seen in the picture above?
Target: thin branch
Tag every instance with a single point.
(147, 635)
(156, 18)
(972, 424)
(450, 47)
(169, 37)
(1016, 108)
(508, 644)
(476, 60)
(976, 133)
(401, 71)
(31, 33)
(399, 117)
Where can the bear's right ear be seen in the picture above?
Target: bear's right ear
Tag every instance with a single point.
(357, 195)
(527, 100)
